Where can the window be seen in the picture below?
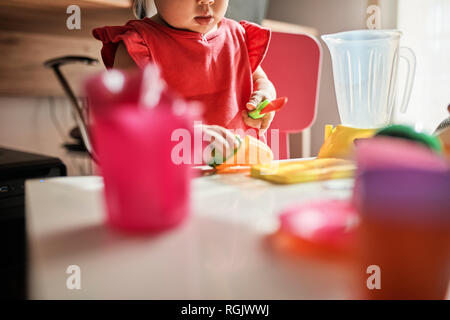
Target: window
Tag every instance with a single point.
(426, 30)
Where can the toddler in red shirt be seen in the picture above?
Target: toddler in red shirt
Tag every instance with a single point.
(203, 56)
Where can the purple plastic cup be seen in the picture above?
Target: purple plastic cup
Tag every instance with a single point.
(405, 231)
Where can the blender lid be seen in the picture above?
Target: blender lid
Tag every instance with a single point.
(363, 35)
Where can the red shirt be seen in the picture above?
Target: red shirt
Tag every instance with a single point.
(215, 69)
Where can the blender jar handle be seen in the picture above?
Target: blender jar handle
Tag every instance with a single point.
(408, 55)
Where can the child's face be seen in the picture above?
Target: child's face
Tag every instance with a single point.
(194, 15)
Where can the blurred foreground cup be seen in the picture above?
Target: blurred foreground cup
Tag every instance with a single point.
(135, 117)
(404, 235)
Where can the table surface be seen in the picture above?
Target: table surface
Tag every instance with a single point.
(219, 252)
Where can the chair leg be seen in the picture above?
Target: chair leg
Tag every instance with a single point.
(279, 143)
(285, 138)
(306, 143)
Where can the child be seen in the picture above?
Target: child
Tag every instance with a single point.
(202, 56)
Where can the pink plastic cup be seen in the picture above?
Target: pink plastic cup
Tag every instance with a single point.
(134, 119)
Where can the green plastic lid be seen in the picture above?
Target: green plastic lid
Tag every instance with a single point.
(407, 132)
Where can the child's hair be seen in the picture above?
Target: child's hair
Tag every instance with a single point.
(140, 8)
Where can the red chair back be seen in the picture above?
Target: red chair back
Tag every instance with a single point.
(293, 65)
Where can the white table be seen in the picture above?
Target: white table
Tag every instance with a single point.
(218, 253)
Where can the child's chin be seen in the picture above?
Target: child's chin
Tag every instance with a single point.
(202, 29)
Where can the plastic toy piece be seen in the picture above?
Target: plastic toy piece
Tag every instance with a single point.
(260, 110)
(255, 114)
(275, 105)
(325, 228)
(339, 141)
(222, 159)
(251, 151)
(444, 136)
(390, 153)
(304, 171)
(408, 133)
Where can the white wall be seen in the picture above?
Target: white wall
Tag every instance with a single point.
(26, 124)
(251, 10)
(328, 16)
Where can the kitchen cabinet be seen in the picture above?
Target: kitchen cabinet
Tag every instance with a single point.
(33, 31)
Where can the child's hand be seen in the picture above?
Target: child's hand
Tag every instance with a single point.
(264, 90)
(263, 123)
(222, 141)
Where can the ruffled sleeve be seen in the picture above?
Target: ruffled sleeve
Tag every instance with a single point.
(258, 39)
(135, 44)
